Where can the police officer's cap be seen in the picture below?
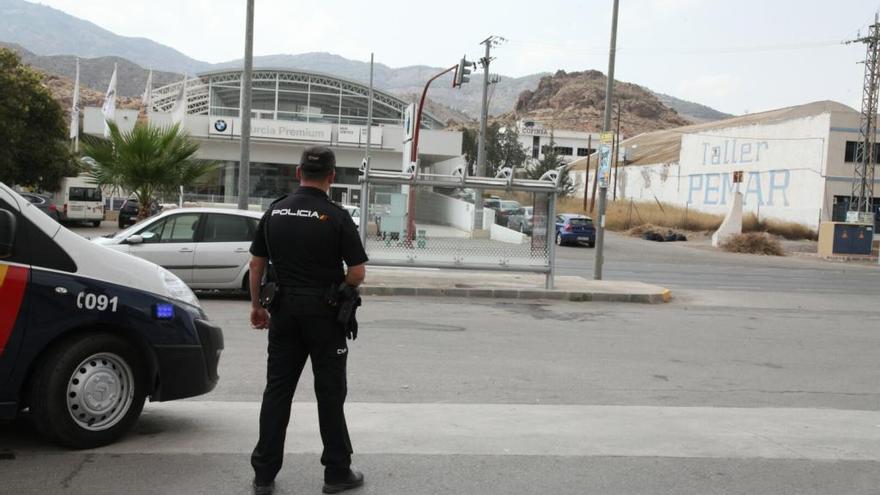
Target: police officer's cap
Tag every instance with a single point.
(318, 160)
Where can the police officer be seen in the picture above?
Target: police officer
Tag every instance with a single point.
(307, 237)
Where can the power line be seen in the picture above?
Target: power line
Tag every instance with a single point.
(680, 51)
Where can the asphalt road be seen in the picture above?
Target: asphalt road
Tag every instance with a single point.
(760, 377)
(695, 265)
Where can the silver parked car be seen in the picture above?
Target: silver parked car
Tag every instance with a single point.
(208, 248)
(521, 220)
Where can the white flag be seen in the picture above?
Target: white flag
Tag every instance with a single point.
(109, 108)
(178, 111)
(148, 92)
(74, 109)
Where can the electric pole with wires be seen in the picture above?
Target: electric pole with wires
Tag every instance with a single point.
(484, 118)
(862, 197)
(603, 171)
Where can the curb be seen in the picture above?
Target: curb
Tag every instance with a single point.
(523, 294)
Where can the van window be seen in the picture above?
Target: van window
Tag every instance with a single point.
(84, 194)
(34, 247)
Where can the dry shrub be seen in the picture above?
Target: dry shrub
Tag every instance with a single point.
(788, 230)
(640, 230)
(753, 243)
(623, 215)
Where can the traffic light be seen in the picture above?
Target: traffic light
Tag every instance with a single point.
(463, 73)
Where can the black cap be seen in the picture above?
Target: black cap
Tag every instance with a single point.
(318, 160)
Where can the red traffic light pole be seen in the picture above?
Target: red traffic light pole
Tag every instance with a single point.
(414, 156)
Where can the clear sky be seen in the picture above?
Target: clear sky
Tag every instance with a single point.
(733, 55)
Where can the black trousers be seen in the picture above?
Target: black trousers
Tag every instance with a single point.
(304, 327)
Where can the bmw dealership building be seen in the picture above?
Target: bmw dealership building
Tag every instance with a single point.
(291, 111)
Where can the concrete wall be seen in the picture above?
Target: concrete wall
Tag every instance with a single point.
(503, 234)
(440, 209)
(783, 167)
(93, 120)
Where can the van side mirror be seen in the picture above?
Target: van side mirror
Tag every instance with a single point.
(7, 233)
(135, 239)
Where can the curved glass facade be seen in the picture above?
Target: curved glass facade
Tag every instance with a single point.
(287, 95)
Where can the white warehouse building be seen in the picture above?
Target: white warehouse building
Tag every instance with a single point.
(536, 137)
(291, 111)
(797, 164)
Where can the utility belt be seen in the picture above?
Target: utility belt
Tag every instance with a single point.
(292, 290)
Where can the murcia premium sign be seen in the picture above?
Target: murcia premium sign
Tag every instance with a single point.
(273, 129)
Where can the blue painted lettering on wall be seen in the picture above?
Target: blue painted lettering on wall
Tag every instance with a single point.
(761, 188)
(731, 151)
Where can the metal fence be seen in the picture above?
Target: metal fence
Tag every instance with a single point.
(430, 221)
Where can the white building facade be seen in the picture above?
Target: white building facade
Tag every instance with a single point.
(797, 164)
(291, 111)
(536, 137)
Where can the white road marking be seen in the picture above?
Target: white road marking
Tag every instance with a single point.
(190, 427)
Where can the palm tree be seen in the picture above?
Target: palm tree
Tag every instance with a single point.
(145, 161)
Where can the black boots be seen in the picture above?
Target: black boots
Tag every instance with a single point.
(355, 479)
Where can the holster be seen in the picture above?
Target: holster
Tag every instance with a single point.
(268, 294)
(347, 299)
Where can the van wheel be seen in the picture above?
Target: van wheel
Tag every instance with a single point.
(89, 391)
(96, 223)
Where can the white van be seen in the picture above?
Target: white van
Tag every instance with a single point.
(88, 333)
(79, 199)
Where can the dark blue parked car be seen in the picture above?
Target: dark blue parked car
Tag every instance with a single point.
(575, 229)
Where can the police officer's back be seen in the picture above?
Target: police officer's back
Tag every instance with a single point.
(307, 237)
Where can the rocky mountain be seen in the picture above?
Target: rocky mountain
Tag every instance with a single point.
(62, 90)
(576, 100)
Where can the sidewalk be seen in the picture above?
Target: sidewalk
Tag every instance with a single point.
(454, 283)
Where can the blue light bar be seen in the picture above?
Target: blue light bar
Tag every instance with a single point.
(163, 311)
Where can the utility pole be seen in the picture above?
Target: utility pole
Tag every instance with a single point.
(602, 175)
(861, 200)
(484, 118)
(365, 187)
(616, 155)
(244, 167)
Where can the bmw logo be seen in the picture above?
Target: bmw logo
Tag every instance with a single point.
(220, 125)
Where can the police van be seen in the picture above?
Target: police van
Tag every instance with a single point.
(88, 333)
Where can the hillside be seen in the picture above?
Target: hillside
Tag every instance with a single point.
(694, 112)
(51, 39)
(96, 72)
(47, 31)
(62, 91)
(577, 101)
(405, 80)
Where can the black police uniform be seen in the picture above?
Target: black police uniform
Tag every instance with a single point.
(309, 237)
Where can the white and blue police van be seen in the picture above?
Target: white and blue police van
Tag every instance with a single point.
(88, 333)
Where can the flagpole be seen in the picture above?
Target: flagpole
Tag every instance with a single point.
(75, 110)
